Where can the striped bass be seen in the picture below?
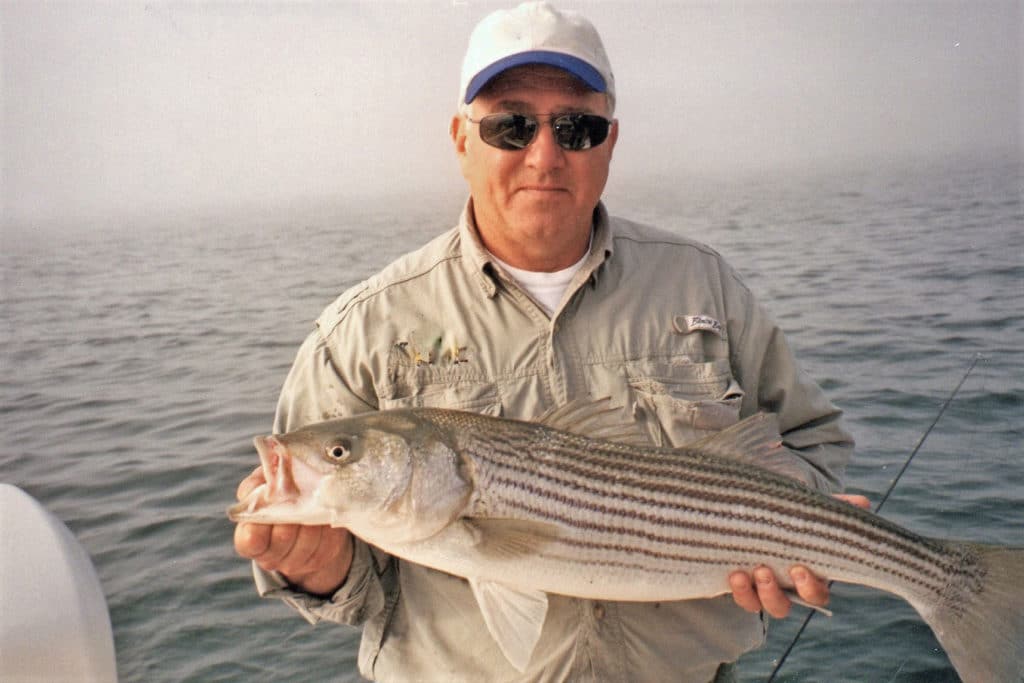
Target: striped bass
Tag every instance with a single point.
(522, 509)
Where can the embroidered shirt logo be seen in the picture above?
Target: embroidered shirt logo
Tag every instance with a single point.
(684, 324)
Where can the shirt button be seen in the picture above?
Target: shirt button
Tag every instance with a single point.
(598, 611)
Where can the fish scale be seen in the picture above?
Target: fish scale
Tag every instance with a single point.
(576, 506)
(704, 498)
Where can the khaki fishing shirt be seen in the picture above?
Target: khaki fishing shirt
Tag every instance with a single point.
(659, 323)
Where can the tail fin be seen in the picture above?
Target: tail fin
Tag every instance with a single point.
(980, 622)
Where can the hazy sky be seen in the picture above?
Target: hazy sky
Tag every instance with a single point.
(117, 107)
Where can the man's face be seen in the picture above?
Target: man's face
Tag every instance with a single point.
(534, 206)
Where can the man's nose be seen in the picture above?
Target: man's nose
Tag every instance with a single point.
(543, 151)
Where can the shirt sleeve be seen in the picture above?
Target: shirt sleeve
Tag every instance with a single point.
(812, 428)
(314, 391)
(358, 599)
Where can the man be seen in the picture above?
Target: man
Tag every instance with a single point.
(536, 298)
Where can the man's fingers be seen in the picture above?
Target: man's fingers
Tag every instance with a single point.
(743, 592)
(770, 593)
(282, 540)
(252, 540)
(315, 558)
(302, 558)
(854, 499)
(246, 486)
(809, 587)
(759, 591)
(332, 542)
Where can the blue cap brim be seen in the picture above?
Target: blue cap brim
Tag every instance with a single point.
(574, 65)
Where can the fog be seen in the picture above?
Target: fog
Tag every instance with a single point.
(127, 109)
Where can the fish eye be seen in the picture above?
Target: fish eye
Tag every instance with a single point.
(338, 451)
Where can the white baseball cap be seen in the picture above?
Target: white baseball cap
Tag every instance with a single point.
(535, 33)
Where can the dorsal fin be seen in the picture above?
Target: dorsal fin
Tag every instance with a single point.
(595, 419)
(754, 440)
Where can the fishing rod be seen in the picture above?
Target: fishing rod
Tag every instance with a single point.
(892, 485)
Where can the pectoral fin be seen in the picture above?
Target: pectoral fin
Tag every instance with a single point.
(514, 618)
(508, 539)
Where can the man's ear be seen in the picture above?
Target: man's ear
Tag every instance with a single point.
(457, 131)
(613, 136)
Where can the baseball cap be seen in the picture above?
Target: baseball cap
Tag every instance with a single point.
(535, 33)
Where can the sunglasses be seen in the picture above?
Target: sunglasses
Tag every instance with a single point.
(573, 132)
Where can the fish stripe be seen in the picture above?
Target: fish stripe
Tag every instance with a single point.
(825, 552)
(618, 482)
(683, 498)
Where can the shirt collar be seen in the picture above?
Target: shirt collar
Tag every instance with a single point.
(482, 264)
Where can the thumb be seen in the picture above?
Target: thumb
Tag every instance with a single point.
(250, 483)
(854, 499)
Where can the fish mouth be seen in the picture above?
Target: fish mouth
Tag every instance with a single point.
(277, 469)
(279, 487)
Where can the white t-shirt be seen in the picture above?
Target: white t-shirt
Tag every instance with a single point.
(546, 288)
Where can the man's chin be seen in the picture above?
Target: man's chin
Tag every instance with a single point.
(542, 223)
(545, 203)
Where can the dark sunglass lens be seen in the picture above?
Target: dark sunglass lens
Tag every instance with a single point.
(576, 132)
(599, 128)
(508, 131)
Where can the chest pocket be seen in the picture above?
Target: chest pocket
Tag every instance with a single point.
(476, 397)
(414, 384)
(681, 402)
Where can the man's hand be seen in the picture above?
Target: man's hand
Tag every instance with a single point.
(316, 559)
(760, 589)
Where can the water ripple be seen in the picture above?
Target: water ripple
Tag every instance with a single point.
(136, 368)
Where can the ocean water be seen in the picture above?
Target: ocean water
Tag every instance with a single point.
(136, 363)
